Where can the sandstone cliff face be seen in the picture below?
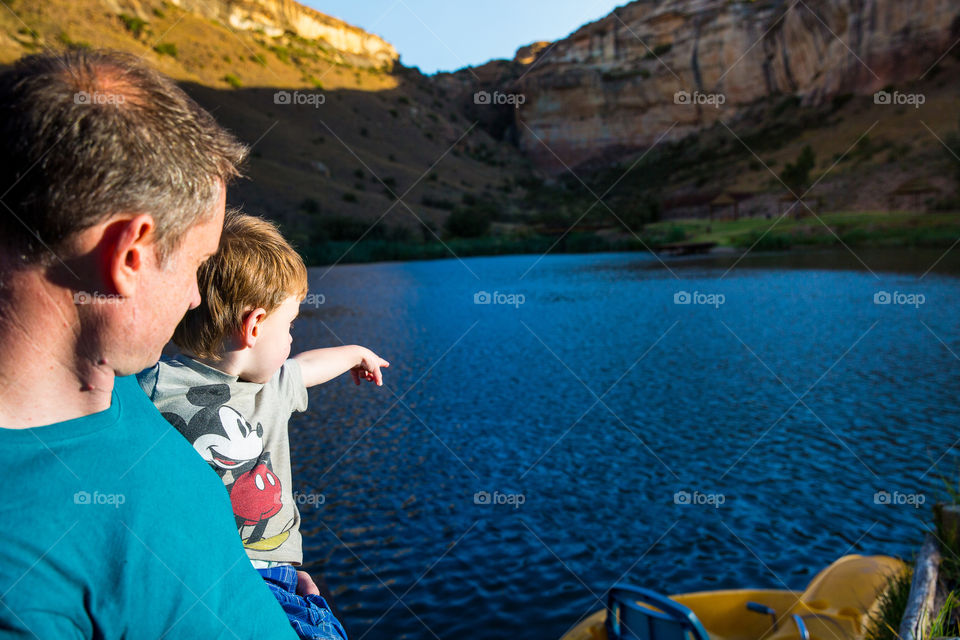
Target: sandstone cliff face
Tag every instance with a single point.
(274, 17)
(612, 85)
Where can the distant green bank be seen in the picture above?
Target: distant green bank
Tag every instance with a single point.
(857, 228)
(854, 229)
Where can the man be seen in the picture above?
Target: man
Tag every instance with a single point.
(112, 190)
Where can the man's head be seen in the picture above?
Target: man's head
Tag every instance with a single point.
(113, 184)
(91, 134)
(251, 290)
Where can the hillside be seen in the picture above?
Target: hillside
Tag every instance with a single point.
(580, 142)
(367, 129)
(771, 78)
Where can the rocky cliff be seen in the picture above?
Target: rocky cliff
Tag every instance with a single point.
(621, 82)
(274, 17)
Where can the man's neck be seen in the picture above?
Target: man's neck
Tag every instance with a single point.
(49, 370)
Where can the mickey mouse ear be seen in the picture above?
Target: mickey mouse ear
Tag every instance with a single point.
(176, 420)
(208, 395)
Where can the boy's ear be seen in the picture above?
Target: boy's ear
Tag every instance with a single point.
(251, 326)
(130, 243)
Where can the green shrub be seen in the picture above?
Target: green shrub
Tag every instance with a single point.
(464, 222)
(73, 44)
(437, 203)
(309, 205)
(282, 53)
(232, 80)
(133, 24)
(796, 175)
(166, 49)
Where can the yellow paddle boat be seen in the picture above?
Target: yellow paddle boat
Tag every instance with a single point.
(836, 605)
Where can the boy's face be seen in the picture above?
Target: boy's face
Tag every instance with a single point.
(272, 347)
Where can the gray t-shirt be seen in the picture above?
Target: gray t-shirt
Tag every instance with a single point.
(240, 429)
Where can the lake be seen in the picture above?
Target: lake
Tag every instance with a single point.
(550, 426)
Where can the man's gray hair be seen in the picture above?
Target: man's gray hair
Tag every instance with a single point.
(89, 134)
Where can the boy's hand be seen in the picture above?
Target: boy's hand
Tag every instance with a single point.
(319, 365)
(305, 585)
(369, 367)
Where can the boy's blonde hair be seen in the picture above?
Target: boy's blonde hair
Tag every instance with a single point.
(253, 267)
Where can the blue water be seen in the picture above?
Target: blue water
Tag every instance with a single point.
(584, 411)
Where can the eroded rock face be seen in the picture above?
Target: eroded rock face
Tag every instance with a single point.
(667, 68)
(274, 17)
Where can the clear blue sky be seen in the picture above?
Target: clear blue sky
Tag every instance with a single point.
(448, 34)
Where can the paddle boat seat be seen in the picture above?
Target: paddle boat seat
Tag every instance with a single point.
(641, 614)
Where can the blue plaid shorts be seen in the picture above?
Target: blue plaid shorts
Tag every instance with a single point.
(310, 616)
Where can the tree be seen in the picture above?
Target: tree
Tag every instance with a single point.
(796, 175)
(468, 222)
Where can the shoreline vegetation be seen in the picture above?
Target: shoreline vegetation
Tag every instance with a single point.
(874, 229)
(935, 598)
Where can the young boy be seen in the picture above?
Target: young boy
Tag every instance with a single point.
(233, 390)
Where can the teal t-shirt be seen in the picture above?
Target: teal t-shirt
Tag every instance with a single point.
(113, 527)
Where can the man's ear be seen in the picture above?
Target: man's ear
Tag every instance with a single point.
(133, 247)
(251, 327)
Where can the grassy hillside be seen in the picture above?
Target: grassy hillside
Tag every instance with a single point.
(368, 143)
(327, 168)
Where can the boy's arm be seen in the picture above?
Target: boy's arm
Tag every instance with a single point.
(320, 365)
